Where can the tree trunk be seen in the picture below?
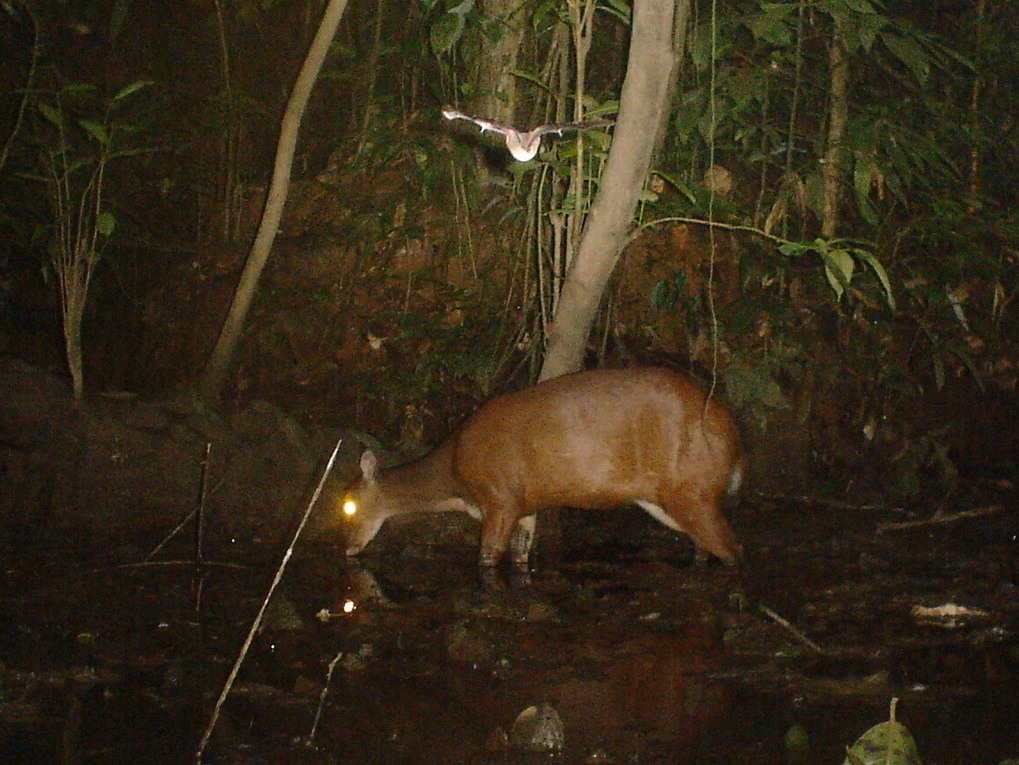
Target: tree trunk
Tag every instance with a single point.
(72, 342)
(838, 115)
(679, 24)
(643, 102)
(226, 346)
(494, 82)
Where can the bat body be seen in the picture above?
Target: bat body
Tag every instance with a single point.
(523, 144)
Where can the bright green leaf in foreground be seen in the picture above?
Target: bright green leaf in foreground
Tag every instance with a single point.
(105, 223)
(887, 743)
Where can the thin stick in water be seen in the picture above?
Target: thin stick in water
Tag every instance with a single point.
(322, 697)
(261, 611)
(791, 629)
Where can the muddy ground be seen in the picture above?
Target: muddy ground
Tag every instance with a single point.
(116, 645)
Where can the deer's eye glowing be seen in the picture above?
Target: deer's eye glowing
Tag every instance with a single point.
(350, 508)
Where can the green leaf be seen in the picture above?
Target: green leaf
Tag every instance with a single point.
(96, 130)
(607, 108)
(838, 269)
(463, 8)
(52, 114)
(842, 7)
(678, 185)
(667, 292)
(546, 15)
(79, 88)
(131, 89)
(663, 295)
(618, 9)
(445, 33)
(911, 55)
(772, 25)
(78, 164)
(887, 743)
(793, 249)
(879, 272)
(868, 28)
(530, 77)
(865, 7)
(105, 223)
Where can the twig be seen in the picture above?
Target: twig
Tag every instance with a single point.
(837, 504)
(322, 697)
(203, 496)
(261, 611)
(938, 518)
(199, 576)
(171, 535)
(148, 563)
(710, 224)
(791, 629)
(203, 486)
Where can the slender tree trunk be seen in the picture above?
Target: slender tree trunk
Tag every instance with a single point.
(679, 23)
(226, 346)
(362, 112)
(495, 81)
(230, 132)
(644, 100)
(72, 342)
(838, 115)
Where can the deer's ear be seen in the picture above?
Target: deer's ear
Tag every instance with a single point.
(369, 465)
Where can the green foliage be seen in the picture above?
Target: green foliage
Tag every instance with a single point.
(446, 32)
(448, 28)
(667, 293)
(887, 743)
(78, 135)
(548, 13)
(889, 161)
(839, 262)
(927, 175)
(797, 745)
(764, 68)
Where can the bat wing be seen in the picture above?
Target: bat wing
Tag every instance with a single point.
(452, 114)
(586, 125)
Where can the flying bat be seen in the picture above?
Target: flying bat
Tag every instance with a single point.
(524, 144)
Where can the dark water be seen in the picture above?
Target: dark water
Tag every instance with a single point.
(645, 659)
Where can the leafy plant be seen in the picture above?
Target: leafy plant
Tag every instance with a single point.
(448, 27)
(76, 138)
(839, 258)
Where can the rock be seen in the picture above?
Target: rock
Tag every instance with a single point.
(538, 729)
